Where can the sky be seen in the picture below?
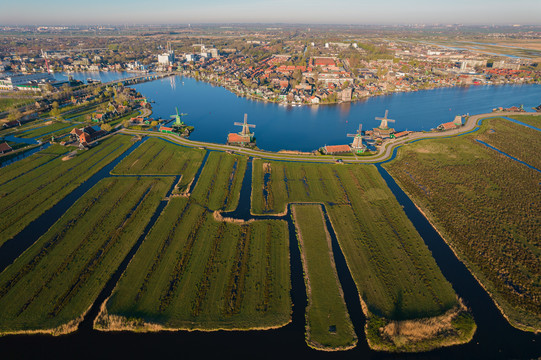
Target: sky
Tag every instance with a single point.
(55, 12)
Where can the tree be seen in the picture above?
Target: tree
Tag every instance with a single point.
(106, 127)
(55, 111)
(13, 115)
(126, 123)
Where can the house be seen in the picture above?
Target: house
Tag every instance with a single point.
(236, 139)
(87, 134)
(447, 126)
(167, 130)
(12, 124)
(4, 148)
(336, 149)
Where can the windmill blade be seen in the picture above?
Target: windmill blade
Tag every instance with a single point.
(245, 118)
(251, 125)
(238, 124)
(386, 113)
(351, 135)
(390, 120)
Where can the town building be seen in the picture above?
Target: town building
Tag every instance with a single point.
(4, 148)
(22, 82)
(87, 134)
(336, 149)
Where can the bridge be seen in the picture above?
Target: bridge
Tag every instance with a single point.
(140, 79)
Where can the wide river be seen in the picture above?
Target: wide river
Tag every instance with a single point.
(213, 110)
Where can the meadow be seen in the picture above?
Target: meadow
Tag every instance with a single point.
(193, 272)
(219, 185)
(34, 184)
(396, 276)
(52, 284)
(486, 206)
(328, 325)
(511, 139)
(159, 157)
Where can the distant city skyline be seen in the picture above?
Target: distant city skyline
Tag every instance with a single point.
(58, 12)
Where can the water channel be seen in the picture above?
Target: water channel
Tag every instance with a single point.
(495, 338)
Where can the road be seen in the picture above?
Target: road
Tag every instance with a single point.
(384, 152)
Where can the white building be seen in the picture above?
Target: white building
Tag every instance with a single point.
(25, 82)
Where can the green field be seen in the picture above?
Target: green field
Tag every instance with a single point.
(56, 127)
(534, 120)
(487, 207)
(219, 185)
(328, 325)
(393, 269)
(54, 282)
(511, 139)
(6, 103)
(193, 272)
(156, 156)
(33, 189)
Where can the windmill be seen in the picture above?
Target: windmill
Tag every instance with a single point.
(178, 118)
(246, 128)
(384, 121)
(358, 140)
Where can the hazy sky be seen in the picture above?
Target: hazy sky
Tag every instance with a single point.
(268, 11)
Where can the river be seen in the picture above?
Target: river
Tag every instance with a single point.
(213, 110)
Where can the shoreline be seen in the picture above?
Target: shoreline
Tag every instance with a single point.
(246, 95)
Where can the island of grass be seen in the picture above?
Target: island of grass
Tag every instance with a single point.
(160, 157)
(220, 182)
(51, 286)
(31, 186)
(328, 326)
(410, 306)
(193, 272)
(486, 206)
(533, 120)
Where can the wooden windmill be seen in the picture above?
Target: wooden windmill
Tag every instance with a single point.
(178, 118)
(246, 128)
(357, 144)
(384, 121)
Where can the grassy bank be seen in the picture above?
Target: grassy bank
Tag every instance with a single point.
(395, 274)
(193, 272)
(516, 140)
(534, 120)
(328, 326)
(36, 185)
(487, 207)
(58, 278)
(219, 185)
(159, 157)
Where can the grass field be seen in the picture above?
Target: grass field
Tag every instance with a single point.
(219, 185)
(56, 127)
(393, 269)
(36, 185)
(534, 120)
(58, 278)
(156, 156)
(6, 103)
(516, 140)
(193, 272)
(328, 325)
(488, 208)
